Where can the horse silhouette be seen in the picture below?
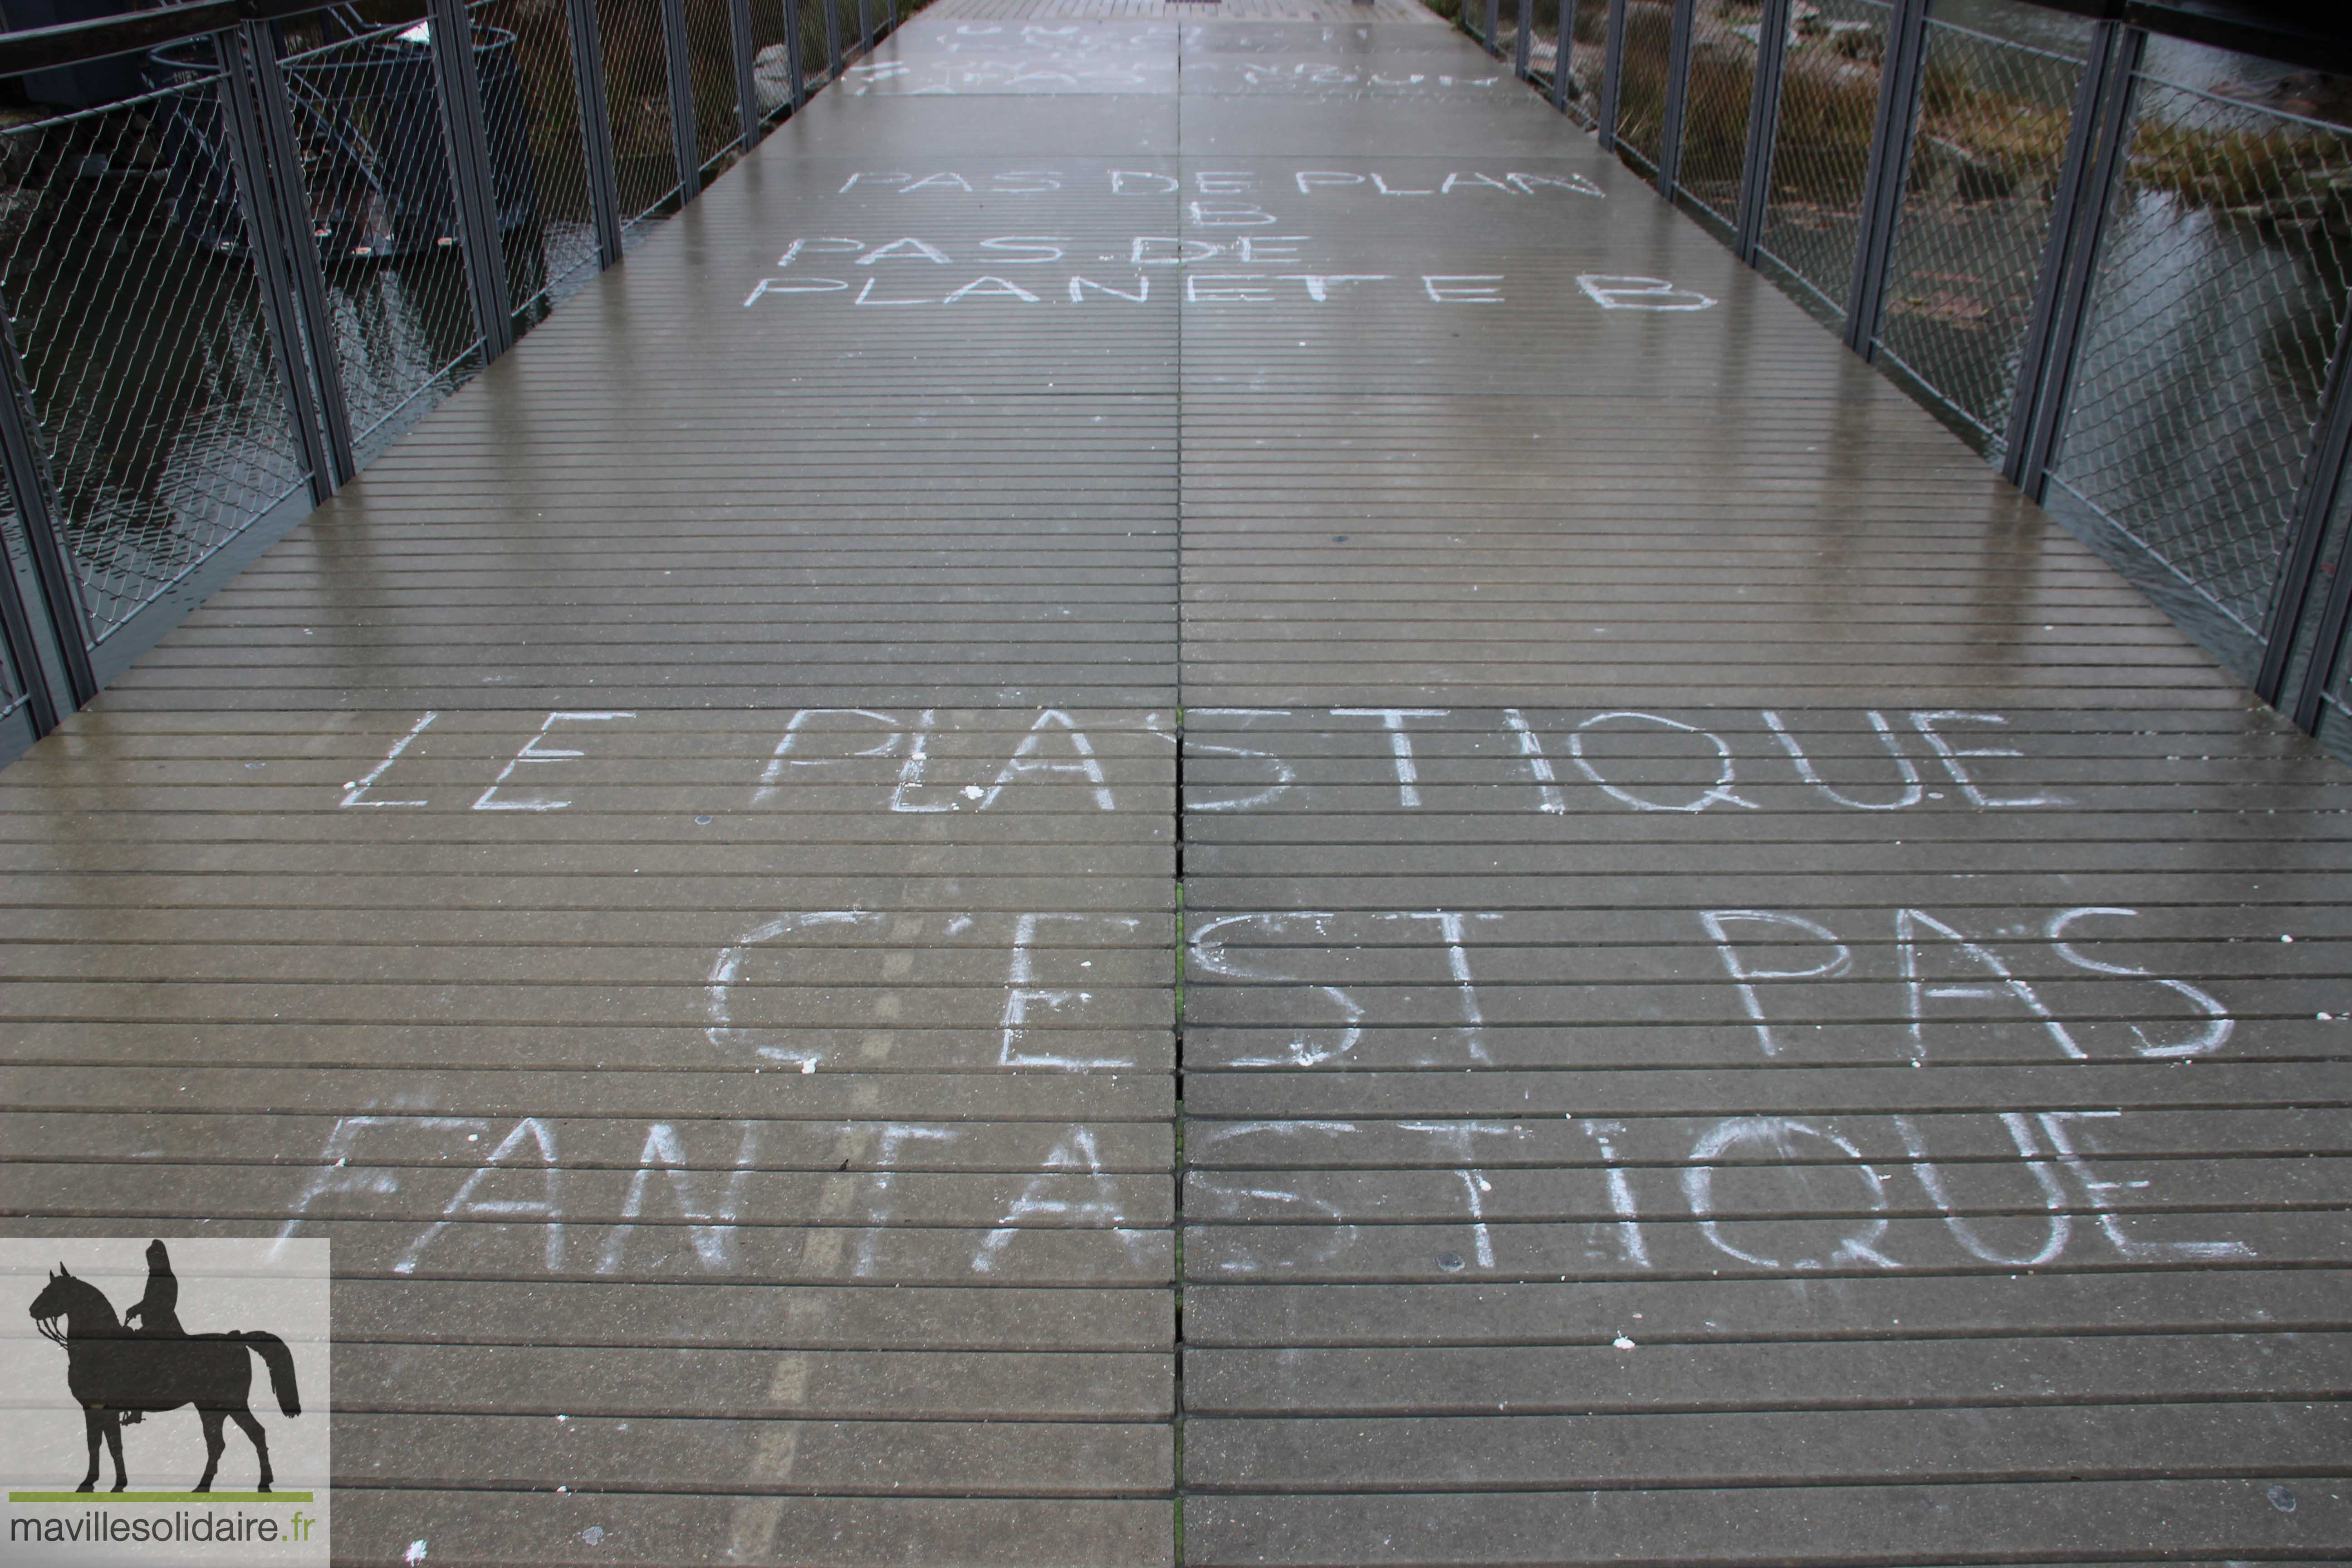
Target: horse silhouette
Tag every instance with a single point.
(119, 1374)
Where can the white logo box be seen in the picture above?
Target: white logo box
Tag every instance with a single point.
(249, 1287)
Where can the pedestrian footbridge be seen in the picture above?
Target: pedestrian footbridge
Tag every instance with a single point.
(1179, 796)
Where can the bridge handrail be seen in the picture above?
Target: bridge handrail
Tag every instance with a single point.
(335, 222)
(1995, 201)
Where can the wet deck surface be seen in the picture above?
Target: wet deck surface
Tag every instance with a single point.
(1735, 1003)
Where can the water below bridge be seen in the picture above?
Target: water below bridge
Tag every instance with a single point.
(1179, 796)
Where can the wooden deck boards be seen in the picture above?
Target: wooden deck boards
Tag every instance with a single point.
(1736, 994)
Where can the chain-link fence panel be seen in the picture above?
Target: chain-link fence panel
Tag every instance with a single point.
(637, 97)
(771, 64)
(820, 56)
(1543, 39)
(375, 171)
(1642, 82)
(710, 66)
(1583, 54)
(1724, 44)
(1994, 115)
(1820, 152)
(154, 387)
(531, 103)
(1470, 16)
(2219, 295)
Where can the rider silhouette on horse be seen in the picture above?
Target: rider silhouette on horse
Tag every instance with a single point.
(158, 1310)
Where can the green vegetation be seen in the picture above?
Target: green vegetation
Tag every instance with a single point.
(1978, 141)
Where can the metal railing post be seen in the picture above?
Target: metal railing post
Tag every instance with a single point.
(1670, 129)
(1612, 73)
(1563, 74)
(270, 241)
(1527, 37)
(2327, 646)
(472, 187)
(596, 129)
(1899, 83)
(310, 280)
(2087, 221)
(2315, 503)
(832, 40)
(1763, 128)
(2070, 207)
(684, 137)
(25, 655)
(796, 57)
(747, 91)
(29, 473)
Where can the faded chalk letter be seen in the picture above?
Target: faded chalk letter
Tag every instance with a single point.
(367, 780)
(1408, 772)
(1616, 293)
(532, 753)
(1950, 755)
(1745, 975)
(1208, 215)
(1463, 288)
(792, 285)
(2219, 1024)
(1777, 1136)
(1226, 288)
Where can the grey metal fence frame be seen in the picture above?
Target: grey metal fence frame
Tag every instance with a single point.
(313, 179)
(1837, 225)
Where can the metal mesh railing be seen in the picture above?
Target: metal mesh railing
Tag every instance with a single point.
(1543, 38)
(636, 91)
(385, 220)
(2221, 294)
(532, 110)
(1722, 81)
(772, 67)
(192, 354)
(710, 66)
(2165, 389)
(1985, 166)
(1820, 153)
(1641, 82)
(152, 382)
(1583, 54)
(820, 56)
